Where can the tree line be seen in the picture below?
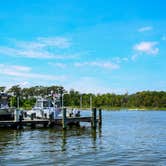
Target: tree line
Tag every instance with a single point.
(72, 98)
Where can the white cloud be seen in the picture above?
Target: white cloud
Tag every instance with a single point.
(20, 68)
(91, 85)
(30, 53)
(147, 48)
(124, 59)
(86, 85)
(143, 29)
(107, 65)
(41, 42)
(24, 72)
(58, 64)
(33, 53)
(133, 57)
(23, 84)
(13, 68)
(29, 44)
(40, 48)
(120, 59)
(59, 42)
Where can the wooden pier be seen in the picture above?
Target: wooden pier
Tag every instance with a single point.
(63, 121)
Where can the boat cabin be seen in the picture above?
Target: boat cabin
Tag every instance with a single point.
(4, 100)
(6, 112)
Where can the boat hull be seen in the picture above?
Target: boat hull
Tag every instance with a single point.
(6, 114)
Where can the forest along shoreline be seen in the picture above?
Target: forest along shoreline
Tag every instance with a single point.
(144, 100)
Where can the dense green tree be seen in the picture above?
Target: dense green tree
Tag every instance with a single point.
(144, 99)
(2, 88)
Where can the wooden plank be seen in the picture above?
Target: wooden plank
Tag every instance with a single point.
(24, 122)
(80, 119)
(59, 121)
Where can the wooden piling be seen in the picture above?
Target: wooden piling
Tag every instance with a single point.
(14, 125)
(16, 115)
(64, 125)
(94, 120)
(32, 116)
(100, 117)
(20, 125)
(51, 120)
(33, 125)
(45, 125)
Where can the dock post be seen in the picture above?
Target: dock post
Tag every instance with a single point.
(100, 117)
(64, 118)
(16, 115)
(94, 118)
(51, 118)
(33, 125)
(20, 120)
(45, 125)
(32, 116)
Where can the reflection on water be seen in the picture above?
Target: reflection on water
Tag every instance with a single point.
(21, 147)
(126, 138)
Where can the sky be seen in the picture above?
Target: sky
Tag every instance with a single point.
(93, 46)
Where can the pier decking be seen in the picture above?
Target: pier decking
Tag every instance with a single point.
(64, 121)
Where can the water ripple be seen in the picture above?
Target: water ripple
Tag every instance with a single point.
(126, 138)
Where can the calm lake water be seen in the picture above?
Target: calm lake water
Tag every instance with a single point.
(126, 138)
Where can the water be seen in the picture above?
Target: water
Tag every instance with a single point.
(126, 138)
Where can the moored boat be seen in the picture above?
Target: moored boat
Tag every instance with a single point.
(50, 107)
(6, 112)
(44, 108)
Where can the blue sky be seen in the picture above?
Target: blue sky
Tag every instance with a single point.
(90, 45)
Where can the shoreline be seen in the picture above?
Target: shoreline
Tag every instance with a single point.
(123, 108)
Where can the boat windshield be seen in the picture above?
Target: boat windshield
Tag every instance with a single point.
(47, 104)
(39, 104)
(44, 104)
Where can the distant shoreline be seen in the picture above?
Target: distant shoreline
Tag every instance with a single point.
(125, 108)
(135, 109)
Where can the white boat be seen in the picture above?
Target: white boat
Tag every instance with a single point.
(6, 112)
(44, 108)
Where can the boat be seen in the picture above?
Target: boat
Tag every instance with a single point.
(44, 108)
(6, 112)
(50, 107)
